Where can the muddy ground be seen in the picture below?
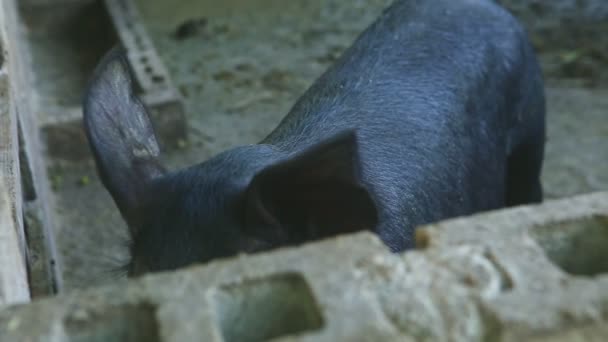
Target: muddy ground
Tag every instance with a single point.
(241, 67)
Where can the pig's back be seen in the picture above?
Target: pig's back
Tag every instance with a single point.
(431, 88)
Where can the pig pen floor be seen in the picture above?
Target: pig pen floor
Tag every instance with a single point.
(240, 72)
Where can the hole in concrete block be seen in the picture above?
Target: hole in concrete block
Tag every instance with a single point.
(579, 247)
(266, 308)
(125, 323)
(158, 79)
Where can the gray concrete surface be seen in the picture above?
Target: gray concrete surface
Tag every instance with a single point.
(571, 35)
(471, 279)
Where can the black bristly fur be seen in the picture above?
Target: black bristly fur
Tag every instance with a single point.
(437, 110)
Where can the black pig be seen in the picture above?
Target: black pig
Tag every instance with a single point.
(437, 110)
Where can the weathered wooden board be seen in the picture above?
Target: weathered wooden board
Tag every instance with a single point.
(34, 200)
(13, 272)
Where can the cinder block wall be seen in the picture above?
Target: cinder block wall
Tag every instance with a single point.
(529, 273)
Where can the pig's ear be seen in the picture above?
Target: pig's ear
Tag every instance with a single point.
(313, 194)
(120, 134)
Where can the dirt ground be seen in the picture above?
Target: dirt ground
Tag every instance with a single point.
(240, 65)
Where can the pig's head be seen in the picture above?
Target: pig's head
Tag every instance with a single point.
(246, 199)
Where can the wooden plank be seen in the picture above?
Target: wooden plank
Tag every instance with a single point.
(13, 275)
(40, 253)
(13, 272)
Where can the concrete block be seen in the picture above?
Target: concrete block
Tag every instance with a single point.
(550, 264)
(314, 287)
(152, 77)
(65, 139)
(482, 278)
